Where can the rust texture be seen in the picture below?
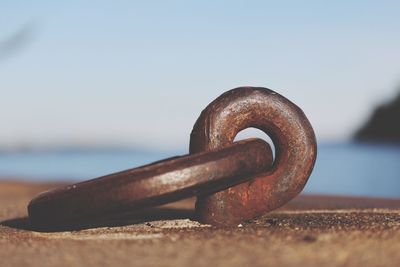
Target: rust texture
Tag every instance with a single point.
(150, 185)
(295, 155)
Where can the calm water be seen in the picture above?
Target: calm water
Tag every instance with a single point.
(345, 169)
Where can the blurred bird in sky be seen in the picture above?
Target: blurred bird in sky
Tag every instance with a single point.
(17, 41)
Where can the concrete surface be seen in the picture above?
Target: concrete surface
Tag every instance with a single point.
(309, 231)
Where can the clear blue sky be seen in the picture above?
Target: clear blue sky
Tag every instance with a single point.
(124, 72)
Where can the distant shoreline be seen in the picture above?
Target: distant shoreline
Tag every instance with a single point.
(383, 125)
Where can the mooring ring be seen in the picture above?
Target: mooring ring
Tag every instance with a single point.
(295, 152)
(155, 184)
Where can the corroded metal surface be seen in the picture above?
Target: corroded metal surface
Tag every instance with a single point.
(244, 170)
(293, 138)
(150, 185)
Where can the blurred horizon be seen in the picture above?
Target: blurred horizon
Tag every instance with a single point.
(355, 169)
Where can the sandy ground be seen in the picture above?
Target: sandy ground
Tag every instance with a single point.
(309, 231)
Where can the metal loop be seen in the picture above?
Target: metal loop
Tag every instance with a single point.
(294, 142)
(158, 183)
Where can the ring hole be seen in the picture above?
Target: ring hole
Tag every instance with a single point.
(254, 132)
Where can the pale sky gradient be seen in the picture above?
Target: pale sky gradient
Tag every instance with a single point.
(129, 73)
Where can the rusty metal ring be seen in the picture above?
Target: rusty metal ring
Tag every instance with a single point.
(154, 184)
(294, 142)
